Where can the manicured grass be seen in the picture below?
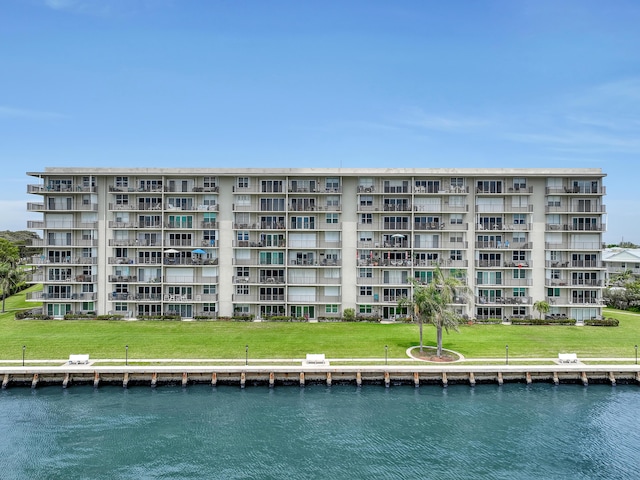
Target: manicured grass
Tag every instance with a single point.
(155, 339)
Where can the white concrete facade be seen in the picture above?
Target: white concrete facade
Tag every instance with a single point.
(311, 243)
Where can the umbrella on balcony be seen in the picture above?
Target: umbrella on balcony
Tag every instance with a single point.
(171, 250)
(198, 251)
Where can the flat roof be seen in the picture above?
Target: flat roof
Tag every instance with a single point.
(375, 172)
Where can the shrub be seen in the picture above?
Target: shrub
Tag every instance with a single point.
(30, 315)
(543, 321)
(488, 321)
(112, 316)
(80, 316)
(602, 322)
(282, 318)
(349, 314)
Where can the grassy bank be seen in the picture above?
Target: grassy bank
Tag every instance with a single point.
(155, 339)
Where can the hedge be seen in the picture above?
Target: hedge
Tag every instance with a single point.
(543, 321)
(602, 322)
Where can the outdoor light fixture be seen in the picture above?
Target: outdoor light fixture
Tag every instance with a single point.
(506, 347)
(126, 354)
(246, 354)
(636, 354)
(24, 347)
(386, 351)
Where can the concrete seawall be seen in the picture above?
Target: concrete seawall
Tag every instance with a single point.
(387, 375)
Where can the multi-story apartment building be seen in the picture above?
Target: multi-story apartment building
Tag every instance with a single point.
(312, 242)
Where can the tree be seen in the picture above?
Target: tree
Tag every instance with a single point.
(541, 307)
(10, 272)
(432, 303)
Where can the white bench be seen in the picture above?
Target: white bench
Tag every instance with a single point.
(78, 359)
(315, 359)
(567, 358)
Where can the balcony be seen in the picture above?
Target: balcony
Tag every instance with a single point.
(123, 278)
(481, 300)
(586, 227)
(597, 190)
(575, 246)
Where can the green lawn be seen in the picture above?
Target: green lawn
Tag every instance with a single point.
(156, 339)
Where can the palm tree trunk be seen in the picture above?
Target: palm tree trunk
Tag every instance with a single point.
(420, 329)
(439, 340)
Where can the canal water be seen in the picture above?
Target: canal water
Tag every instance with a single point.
(512, 431)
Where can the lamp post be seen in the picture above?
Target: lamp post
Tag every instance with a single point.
(636, 354)
(24, 347)
(506, 348)
(126, 354)
(246, 354)
(386, 351)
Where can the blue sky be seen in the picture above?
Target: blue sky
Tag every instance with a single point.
(206, 83)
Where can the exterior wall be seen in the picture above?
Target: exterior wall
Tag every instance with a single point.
(129, 241)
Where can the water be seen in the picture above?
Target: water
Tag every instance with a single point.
(317, 432)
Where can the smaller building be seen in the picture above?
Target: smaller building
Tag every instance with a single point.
(620, 260)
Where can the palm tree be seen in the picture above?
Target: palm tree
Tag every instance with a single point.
(10, 272)
(10, 277)
(432, 303)
(541, 307)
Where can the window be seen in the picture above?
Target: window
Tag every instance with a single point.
(209, 307)
(457, 182)
(243, 182)
(366, 200)
(519, 273)
(209, 182)
(209, 289)
(332, 218)
(553, 201)
(489, 186)
(242, 289)
(332, 184)
(333, 202)
(272, 204)
(366, 291)
(519, 237)
(488, 278)
(366, 218)
(423, 277)
(331, 309)
(519, 292)
(271, 186)
(585, 223)
(427, 186)
(553, 292)
(120, 307)
(122, 182)
(455, 219)
(180, 221)
(365, 272)
(271, 258)
(518, 255)
(304, 223)
(365, 309)
(455, 254)
(519, 183)
(242, 271)
(519, 218)
(122, 199)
